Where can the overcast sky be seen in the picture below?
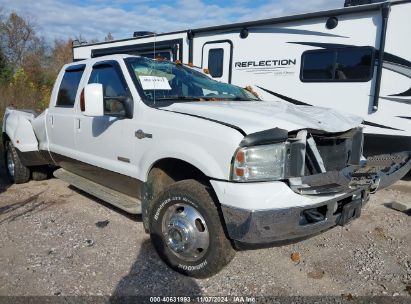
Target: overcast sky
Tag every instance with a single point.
(95, 18)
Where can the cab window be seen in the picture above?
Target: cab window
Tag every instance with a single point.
(115, 91)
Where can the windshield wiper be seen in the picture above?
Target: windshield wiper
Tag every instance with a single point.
(178, 97)
(243, 99)
(237, 98)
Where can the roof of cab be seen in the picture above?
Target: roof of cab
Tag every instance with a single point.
(97, 59)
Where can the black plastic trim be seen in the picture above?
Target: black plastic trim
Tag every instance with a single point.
(145, 47)
(75, 68)
(33, 158)
(271, 136)
(385, 13)
(105, 63)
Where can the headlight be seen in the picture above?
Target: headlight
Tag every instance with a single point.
(259, 163)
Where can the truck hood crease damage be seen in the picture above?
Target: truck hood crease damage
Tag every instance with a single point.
(256, 116)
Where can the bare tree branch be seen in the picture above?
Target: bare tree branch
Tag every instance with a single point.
(17, 37)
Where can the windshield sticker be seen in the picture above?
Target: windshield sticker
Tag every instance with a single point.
(154, 83)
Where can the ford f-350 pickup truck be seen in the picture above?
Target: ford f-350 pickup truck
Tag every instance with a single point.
(208, 165)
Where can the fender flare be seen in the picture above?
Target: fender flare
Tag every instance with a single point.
(20, 131)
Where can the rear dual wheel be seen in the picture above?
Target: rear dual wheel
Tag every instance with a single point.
(16, 171)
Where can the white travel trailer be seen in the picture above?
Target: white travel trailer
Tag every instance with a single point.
(356, 59)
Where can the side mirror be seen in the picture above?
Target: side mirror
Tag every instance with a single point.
(92, 100)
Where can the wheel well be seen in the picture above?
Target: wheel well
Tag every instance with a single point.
(5, 138)
(164, 173)
(179, 170)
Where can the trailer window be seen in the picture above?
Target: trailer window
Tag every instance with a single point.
(68, 88)
(215, 62)
(338, 65)
(318, 65)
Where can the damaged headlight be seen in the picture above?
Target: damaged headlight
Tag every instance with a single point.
(259, 163)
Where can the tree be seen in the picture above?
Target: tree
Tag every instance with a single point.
(61, 54)
(35, 62)
(5, 71)
(17, 37)
(109, 37)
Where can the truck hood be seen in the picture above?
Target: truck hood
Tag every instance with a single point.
(256, 116)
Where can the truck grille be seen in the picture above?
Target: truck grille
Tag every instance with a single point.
(333, 153)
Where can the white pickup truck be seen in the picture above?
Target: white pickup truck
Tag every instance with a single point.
(208, 165)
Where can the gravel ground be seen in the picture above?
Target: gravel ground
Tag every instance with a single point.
(56, 240)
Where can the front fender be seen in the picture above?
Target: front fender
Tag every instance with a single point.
(212, 164)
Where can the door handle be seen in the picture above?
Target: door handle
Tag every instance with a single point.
(78, 125)
(140, 134)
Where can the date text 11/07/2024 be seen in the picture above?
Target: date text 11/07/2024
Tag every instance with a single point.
(201, 299)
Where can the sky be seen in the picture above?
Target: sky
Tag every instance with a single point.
(93, 19)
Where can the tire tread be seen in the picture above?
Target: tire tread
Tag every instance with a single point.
(224, 251)
(21, 172)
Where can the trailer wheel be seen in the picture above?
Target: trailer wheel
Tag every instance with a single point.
(16, 171)
(187, 232)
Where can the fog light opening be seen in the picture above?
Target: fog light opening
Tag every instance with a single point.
(314, 215)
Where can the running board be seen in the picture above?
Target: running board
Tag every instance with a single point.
(120, 200)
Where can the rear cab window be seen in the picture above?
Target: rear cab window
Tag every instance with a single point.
(69, 85)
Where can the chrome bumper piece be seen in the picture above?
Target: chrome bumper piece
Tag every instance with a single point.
(259, 227)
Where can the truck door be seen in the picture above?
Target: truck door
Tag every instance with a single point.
(217, 57)
(60, 116)
(105, 143)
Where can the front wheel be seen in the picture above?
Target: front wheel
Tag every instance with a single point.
(16, 171)
(187, 232)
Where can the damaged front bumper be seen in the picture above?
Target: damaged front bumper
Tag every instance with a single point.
(267, 226)
(258, 213)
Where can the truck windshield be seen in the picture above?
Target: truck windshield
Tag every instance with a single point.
(165, 81)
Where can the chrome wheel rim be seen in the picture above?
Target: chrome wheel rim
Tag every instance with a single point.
(10, 163)
(185, 232)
